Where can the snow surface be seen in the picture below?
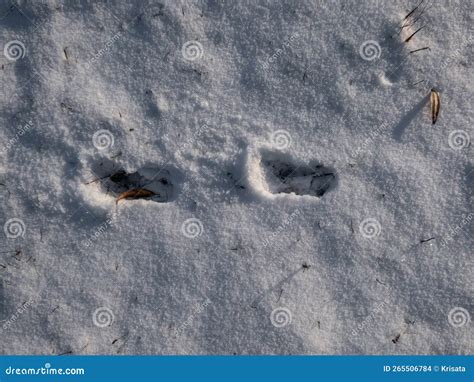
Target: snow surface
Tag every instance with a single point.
(199, 97)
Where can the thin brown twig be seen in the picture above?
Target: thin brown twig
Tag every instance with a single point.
(417, 50)
(414, 33)
(413, 10)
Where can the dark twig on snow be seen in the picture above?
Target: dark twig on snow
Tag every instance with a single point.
(413, 10)
(417, 50)
(414, 33)
(427, 240)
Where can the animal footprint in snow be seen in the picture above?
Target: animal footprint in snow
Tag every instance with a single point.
(280, 174)
(149, 182)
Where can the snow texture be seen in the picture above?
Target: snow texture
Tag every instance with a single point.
(304, 203)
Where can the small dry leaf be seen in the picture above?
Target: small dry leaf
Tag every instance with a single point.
(136, 193)
(435, 104)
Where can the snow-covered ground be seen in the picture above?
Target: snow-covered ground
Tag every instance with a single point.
(303, 201)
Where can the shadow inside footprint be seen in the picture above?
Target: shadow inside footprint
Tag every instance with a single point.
(284, 176)
(114, 179)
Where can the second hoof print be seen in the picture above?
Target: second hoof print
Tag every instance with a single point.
(282, 174)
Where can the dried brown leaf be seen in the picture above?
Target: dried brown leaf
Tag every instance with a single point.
(435, 105)
(136, 193)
